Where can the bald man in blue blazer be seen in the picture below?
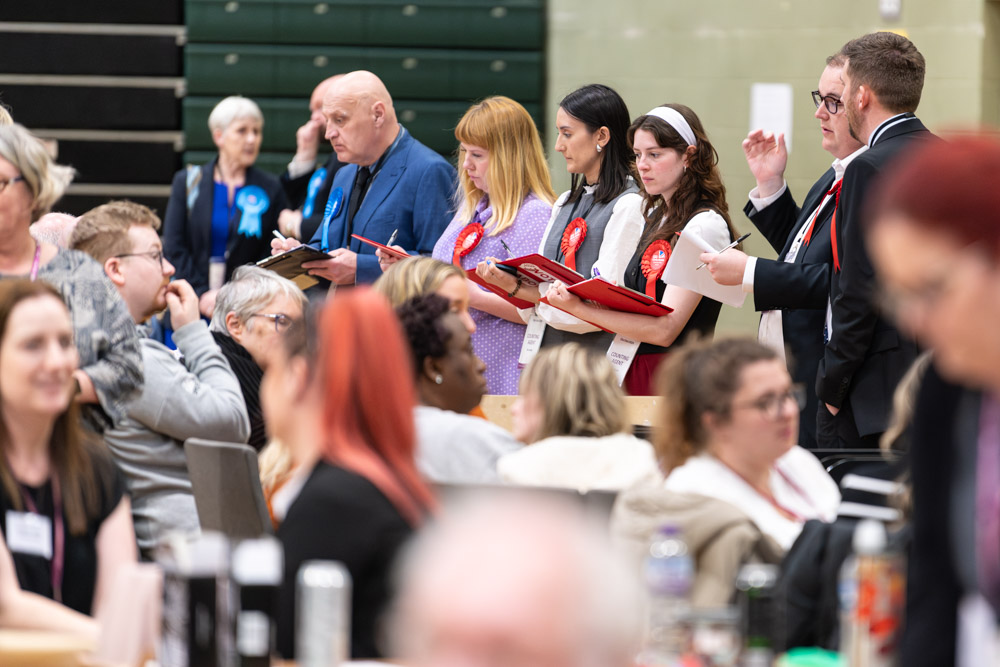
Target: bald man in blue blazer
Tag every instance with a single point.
(390, 182)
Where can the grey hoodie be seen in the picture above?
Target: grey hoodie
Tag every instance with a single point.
(197, 397)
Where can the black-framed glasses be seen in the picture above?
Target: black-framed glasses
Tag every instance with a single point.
(4, 182)
(281, 321)
(771, 405)
(155, 255)
(832, 103)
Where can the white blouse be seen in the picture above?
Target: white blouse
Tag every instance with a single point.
(799, 483)
(621, 237)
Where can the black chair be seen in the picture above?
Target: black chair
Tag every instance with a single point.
(227, 491)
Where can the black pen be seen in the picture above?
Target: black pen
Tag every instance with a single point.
(393, 237)
(507, 248)
(731, 245)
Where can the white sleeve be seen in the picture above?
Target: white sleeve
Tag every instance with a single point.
(710, 227)
(760, 203)
(621, 237)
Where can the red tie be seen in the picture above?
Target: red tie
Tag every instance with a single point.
(835, 191)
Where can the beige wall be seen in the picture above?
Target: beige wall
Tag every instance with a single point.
(707, 53)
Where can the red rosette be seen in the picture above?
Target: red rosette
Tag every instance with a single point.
(654, 261)
(572, 239)
(467, 240)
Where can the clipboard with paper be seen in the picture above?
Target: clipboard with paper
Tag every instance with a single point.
(682, 271)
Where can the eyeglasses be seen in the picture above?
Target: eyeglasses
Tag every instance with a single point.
(4, 182)
(281, 321)
(832, 103)
(771, 405)
(155, 255)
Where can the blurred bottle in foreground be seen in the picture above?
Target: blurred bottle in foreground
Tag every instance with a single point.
(872, 593)
(669, 574)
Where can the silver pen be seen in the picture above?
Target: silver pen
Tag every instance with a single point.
(731, 245)
(392, 238)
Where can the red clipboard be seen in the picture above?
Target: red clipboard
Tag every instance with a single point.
(616, 297)
(543, 270)
(499, 291)
(384, 248)
(603, 294)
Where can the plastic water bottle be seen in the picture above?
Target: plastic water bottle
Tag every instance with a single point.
(669, 575)
(871, 592)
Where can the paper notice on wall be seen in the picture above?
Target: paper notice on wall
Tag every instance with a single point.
(771, 109)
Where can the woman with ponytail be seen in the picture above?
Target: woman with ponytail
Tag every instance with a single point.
(682, 190)
(345, 411)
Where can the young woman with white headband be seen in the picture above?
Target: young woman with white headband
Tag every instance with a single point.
(594, 227)
(682, 190)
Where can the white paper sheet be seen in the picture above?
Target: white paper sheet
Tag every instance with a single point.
(771, 109)
(682, 271)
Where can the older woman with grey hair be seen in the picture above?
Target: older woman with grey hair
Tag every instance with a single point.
(221, 215)
(110, 370)
(251, 312)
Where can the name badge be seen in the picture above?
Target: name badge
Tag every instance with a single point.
(532, 340)
(621, 354)
(29, 533)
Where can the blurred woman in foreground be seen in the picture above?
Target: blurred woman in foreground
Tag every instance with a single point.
(345, 410)
(52, 473)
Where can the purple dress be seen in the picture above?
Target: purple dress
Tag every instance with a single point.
(497, 341)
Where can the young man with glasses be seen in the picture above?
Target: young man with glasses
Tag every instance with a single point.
(197, 396)
(791, 291)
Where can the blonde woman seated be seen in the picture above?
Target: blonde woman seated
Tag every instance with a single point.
(572, 413)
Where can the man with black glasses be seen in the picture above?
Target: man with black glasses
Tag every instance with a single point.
(792, 290)
(196, 397)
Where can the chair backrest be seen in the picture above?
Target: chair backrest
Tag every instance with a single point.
(227, 491)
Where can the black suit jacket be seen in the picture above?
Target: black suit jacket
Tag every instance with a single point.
(799, 289)
(297, 189)
(941, 567)
(866, 356)
(187, 235)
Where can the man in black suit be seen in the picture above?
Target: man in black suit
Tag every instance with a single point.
(792, 290)
(307, 185)
(865, 355)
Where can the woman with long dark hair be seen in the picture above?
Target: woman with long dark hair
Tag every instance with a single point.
(595, 225)
(682, 190)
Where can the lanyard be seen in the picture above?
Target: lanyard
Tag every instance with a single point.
(59, 529)
(36, 261)
(768, 496)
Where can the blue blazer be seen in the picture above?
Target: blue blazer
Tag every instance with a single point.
(411, 192)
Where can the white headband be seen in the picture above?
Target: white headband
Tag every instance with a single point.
(675, 120)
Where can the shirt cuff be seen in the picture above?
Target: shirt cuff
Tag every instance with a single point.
(760, 203)
(748, 275)
(298, 168)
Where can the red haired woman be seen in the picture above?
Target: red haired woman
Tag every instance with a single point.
(345, 411)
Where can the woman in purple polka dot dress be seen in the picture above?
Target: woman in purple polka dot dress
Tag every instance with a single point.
(504, 196)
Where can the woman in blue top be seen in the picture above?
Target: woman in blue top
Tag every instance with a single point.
(222, 215)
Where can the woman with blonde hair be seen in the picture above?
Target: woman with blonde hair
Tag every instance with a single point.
(504, 197)
(417, 276)
(572, 413)
(110, 365)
